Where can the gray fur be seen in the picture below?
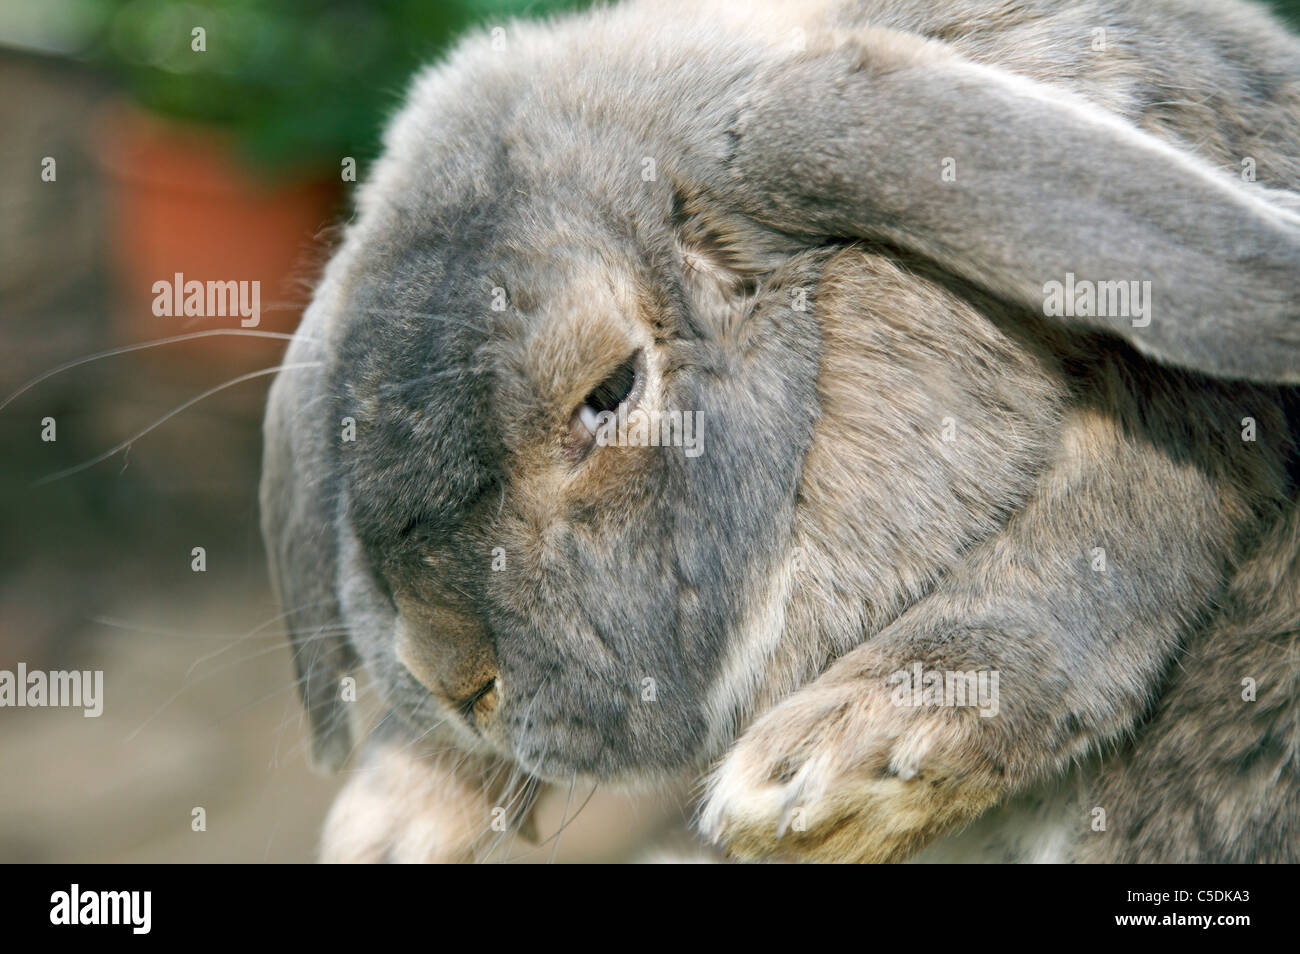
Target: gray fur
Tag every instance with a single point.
(829, 535)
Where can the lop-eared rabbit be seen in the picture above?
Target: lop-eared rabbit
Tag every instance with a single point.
(881, 413)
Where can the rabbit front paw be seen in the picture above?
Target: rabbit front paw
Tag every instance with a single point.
(843, 771)
(408, 805)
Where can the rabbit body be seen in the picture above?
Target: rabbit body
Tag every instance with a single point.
(828, 230)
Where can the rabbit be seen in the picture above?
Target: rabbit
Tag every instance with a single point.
(857, 243)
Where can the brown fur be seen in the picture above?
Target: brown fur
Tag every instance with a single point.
(921, 469)
(1136, 461)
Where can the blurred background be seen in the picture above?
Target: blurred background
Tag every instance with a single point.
(142, 138)
(220, 155)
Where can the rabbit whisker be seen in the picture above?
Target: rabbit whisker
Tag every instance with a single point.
(67, 472)
(141, 346)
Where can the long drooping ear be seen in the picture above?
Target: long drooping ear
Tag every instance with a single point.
(1037, 195)
(299, 500)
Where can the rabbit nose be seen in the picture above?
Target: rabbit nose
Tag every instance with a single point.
(452, 655)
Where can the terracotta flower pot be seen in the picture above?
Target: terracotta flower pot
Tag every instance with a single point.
(183, 204)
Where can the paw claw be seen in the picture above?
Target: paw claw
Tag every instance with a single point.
(787, 810)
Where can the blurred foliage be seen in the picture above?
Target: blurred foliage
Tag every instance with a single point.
(1289, 10)
(301, 83)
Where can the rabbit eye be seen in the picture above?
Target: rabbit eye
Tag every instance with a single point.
(623, 387)
(613, 391)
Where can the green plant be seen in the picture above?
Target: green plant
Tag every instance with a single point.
(299, 83)
(1289, 10)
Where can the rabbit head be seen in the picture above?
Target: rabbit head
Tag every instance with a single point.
(622, 407)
